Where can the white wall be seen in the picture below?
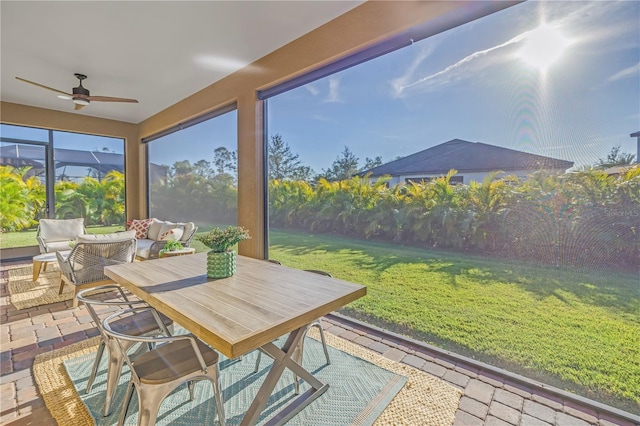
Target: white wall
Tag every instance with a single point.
(466, 177)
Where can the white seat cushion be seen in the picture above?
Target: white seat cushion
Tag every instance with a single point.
(58, 246)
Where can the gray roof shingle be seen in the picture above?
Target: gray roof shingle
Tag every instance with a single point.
(467, 156)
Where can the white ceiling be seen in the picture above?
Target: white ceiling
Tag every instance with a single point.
(157, 52)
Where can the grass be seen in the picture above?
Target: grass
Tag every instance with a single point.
(574, 330)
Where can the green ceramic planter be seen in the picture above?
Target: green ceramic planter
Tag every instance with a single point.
(221, 265)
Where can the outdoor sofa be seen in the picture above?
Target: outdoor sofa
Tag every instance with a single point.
(152, 235)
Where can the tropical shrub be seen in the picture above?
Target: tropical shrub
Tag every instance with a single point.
(586, 218)
(21, 198)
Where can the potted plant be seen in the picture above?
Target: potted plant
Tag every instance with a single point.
(221, 259)
(171, 245)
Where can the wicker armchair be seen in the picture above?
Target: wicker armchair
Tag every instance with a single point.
(84, 266)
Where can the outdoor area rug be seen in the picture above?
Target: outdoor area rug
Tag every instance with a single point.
(24, 293)
(364, 386)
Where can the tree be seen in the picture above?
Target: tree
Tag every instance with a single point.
(225, 161)
(616, 158)
(202, 168)
(181, 168)
(344, 167)
(370, 163)
(283, 163)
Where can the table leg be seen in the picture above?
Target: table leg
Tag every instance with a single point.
(283, 358)
(37, 266)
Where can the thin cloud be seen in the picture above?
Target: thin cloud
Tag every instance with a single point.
(334, 90)
(625, 73)
(397, 84)
(445, 76)
(324, 118)
(312, 89)
(555, 14)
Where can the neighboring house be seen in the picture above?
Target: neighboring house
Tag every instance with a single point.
(472, 160)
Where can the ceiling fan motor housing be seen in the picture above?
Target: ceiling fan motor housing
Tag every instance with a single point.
(80, 93)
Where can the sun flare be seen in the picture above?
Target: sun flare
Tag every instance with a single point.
(543, 46)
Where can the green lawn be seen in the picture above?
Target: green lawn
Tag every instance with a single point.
(574, 330)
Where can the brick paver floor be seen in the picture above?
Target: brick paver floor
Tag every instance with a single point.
(488, 399)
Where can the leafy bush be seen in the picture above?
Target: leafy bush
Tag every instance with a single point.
(586, 218)
(23, 199)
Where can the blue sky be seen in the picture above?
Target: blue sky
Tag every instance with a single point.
(470, 83)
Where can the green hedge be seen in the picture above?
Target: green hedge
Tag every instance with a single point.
(586, 218)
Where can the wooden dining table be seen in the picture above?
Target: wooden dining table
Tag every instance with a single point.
(261, 302)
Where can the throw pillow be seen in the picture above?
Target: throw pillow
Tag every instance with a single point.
(141, 226)
(155, 228)
(171, 234)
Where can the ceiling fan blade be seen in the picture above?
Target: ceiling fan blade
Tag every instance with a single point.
(109, 99)
(44, 87)
(78, 106)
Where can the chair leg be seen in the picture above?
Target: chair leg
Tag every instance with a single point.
(94, 370)
(114, 371)
(258, 359)
(297, 357)
(324, 341)
(190, 385)
(149, 399)
(215, 376)
(61, 286)
(299, 351)
(125, 404)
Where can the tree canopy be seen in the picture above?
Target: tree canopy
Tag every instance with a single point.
(347, 165)
(616, 158)
(283, 163)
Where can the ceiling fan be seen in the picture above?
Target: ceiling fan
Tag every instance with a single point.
(79, 95)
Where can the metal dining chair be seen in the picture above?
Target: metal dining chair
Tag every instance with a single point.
(155, 374)
(317, 323)
(299, 351)
(139, 324)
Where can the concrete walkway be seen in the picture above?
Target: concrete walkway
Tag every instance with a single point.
(489, 398)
